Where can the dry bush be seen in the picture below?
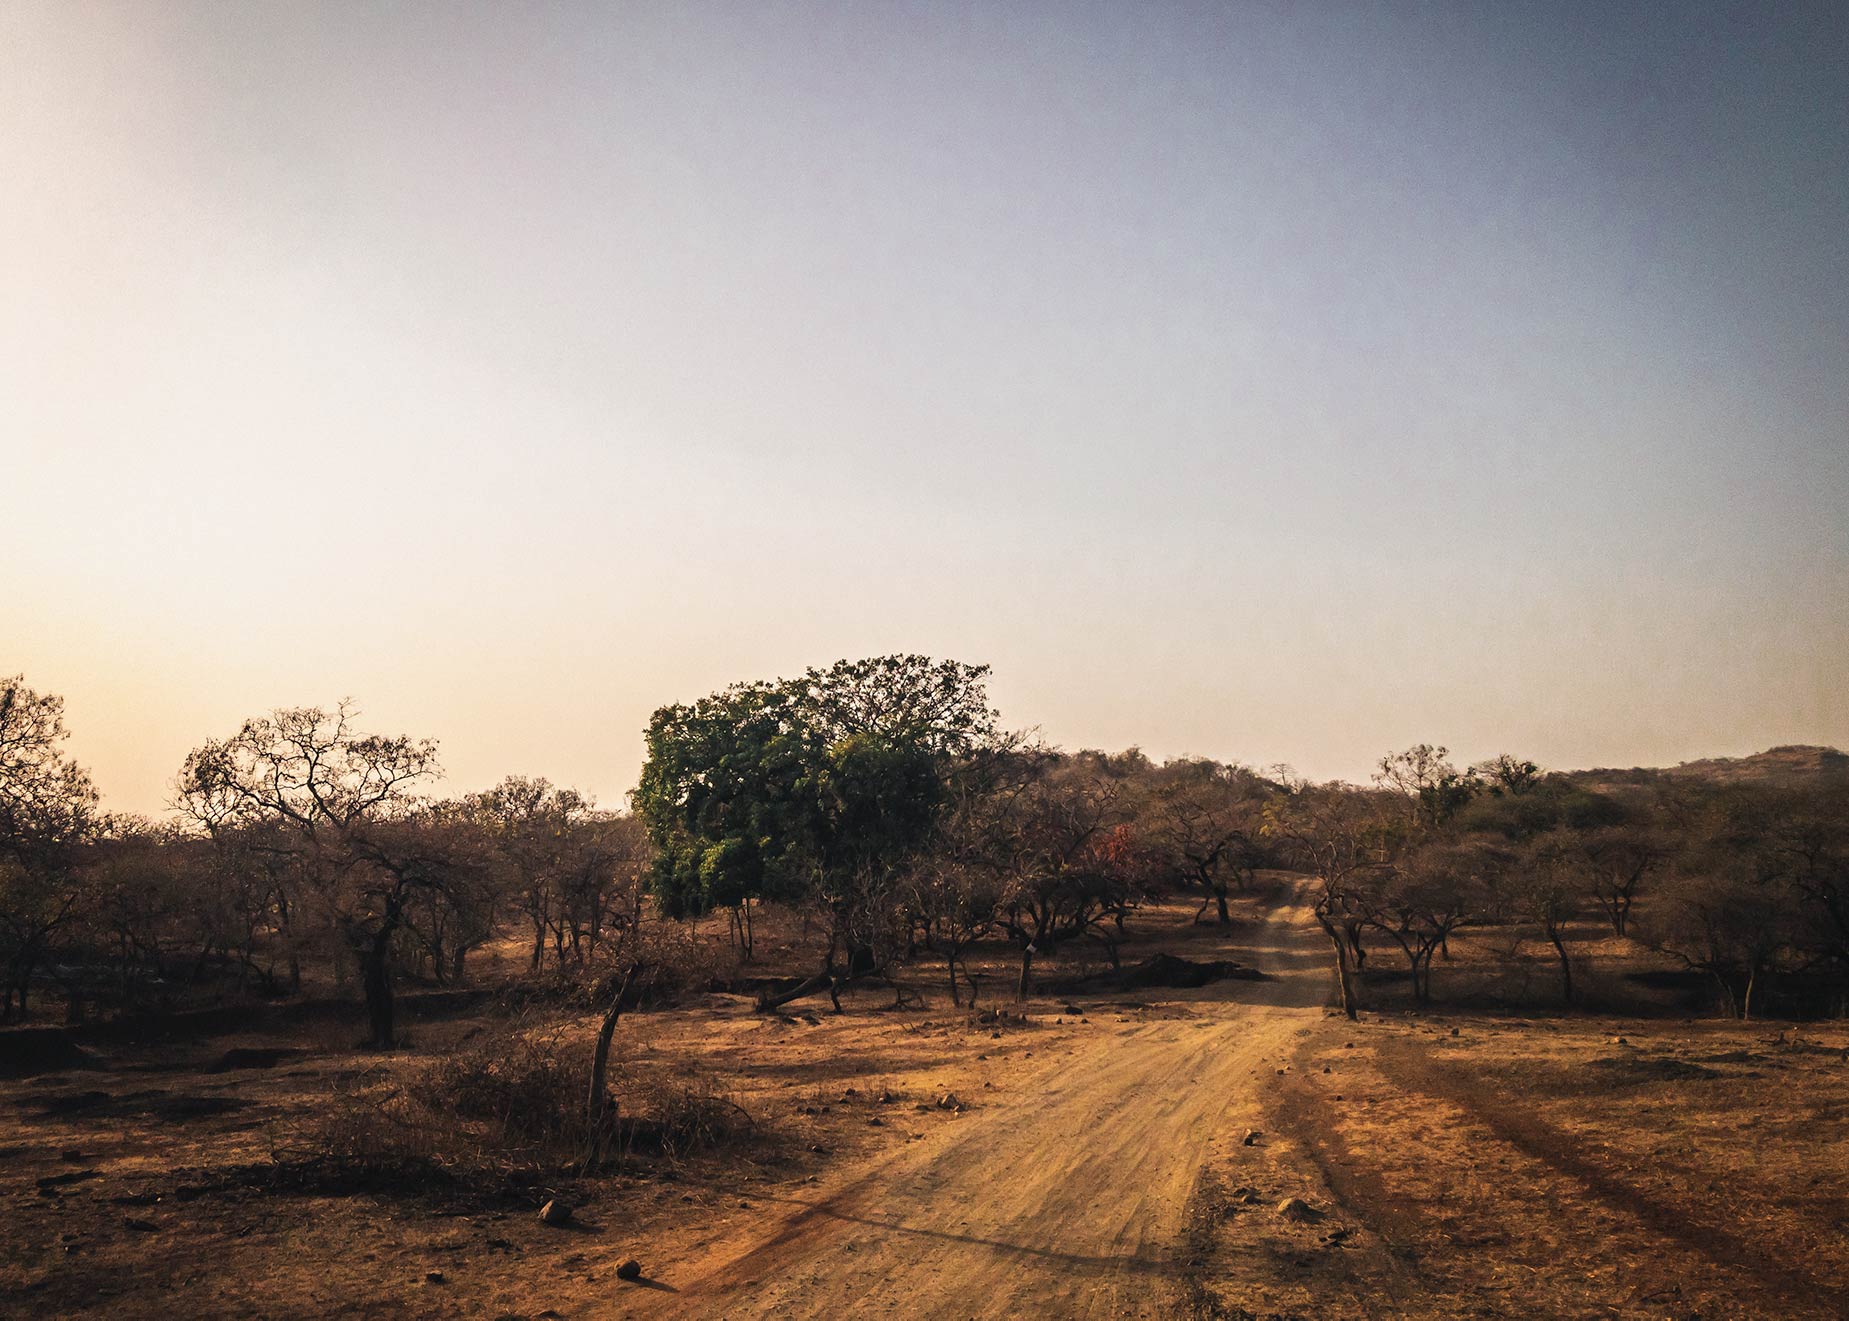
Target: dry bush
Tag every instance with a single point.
(665, 962)
(523, 1090)
(507, 1110)
(678, 1115)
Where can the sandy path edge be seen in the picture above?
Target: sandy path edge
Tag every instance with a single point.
(1064, 1197)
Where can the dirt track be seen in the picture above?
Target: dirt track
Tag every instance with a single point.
(1065, 1196)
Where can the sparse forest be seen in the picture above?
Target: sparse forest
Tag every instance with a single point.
(884, 803)
(534, 999)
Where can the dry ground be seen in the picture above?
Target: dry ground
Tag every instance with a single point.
(1097, 1167)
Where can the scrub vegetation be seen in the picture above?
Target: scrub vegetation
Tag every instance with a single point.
(866, 997)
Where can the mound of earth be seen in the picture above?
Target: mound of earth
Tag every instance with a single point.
(28, 1051)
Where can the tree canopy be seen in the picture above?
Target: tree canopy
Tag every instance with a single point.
(807, 787)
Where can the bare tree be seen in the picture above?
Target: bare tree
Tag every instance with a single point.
(1547, 891)
(1058, 878)
(1425, 897)
(1209, 817)
(1615, 861)
(47, 813)
(1433, 788)
(1344, 836)
(343, 807)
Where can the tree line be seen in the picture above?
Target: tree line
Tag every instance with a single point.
(1745, 884)
(884, 798)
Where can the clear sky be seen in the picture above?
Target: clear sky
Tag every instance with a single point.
(1277, 382)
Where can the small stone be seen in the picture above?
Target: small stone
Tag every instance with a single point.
(555, 1213)
(1325, 1068)
(1295, 1208)
(1453, 1031)
(629, 1270)
(949, 1101)
(876, 1122)
(140, 1226)
(433, 1277)
(1251, 1138)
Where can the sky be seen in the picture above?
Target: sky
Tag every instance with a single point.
(1281, 383)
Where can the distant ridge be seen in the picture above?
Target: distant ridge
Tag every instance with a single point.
(1791, 761)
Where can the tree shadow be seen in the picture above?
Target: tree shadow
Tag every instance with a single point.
(828, 1209)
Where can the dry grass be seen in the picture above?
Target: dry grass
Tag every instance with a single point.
(1582, 1166)
(1529, 1166)
(506, 1111)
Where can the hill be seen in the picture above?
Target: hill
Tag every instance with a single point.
(1792, 761)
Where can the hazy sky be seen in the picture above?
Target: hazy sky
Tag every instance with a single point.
(1275, 382)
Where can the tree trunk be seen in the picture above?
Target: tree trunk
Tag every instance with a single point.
(379, 1007)
(1337, 939)
(599, 1114)
(1026, 985)
(376, 970)
(822, 981)
(950, 962)
(1220, 898)
(1566, 967)
(26, 969)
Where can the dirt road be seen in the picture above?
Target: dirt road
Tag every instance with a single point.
(1064, 1196)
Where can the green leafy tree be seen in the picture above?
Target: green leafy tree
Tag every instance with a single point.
(817, 789)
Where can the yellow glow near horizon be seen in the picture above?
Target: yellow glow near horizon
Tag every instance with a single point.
(1229, 382)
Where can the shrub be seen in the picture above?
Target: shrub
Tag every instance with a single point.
(507, 1109)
